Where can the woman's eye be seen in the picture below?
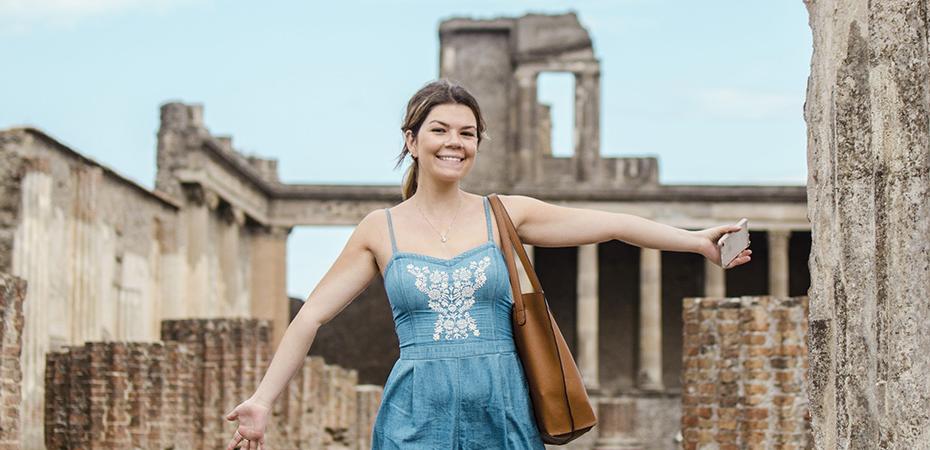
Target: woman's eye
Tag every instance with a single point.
(469, 134)
(438, 130)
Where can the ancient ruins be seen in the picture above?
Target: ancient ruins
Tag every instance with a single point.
(121, 301)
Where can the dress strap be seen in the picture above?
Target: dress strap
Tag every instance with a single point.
(487, 218)
(391, 230)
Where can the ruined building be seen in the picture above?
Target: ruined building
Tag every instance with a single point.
(108, 260)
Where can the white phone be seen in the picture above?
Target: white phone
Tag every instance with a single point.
(731, 244)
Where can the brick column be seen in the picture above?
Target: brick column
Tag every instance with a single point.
(778, 262)
(587, 315)
(650, 320)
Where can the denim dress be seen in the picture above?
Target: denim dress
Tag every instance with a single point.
(458, 383)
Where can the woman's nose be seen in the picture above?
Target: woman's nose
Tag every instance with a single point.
(454, 140)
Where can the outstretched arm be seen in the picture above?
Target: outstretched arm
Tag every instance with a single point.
(348, 276)
(547, 225)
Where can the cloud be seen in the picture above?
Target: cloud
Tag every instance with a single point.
(748, 104)
(24, 14)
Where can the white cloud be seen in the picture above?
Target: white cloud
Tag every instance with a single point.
(748, 104)
(24, 14)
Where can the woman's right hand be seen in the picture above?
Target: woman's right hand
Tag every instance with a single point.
(253, 417)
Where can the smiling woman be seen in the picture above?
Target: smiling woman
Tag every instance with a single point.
(459, 382)
(457, 115)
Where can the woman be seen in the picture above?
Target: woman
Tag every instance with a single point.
(458, 382)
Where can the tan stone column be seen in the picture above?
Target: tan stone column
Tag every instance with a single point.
(778, 262)
(715, 280)
(650, 320)
(524, 168)
(269, 280)
(525, 285)
(587, 315)
(587, 123)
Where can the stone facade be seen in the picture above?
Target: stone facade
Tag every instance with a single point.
(174, 394)
(12, 295)
(744, 373)
(867, 110)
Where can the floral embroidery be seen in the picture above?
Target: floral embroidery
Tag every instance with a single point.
(451, 299)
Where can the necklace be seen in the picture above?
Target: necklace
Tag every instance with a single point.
(442, 236)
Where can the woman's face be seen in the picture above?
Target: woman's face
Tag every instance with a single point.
(446, 143)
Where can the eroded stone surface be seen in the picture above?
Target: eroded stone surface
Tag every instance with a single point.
(868, 196)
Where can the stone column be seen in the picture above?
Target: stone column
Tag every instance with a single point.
(867, 111)
(715, 280)
(523, 167)
(587, 315)
(778, 262)
(269, 280)
(587, 123)
(650, 320)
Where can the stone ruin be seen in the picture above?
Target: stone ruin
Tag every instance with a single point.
(209, 244)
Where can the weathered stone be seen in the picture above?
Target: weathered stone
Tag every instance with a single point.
(869, 201)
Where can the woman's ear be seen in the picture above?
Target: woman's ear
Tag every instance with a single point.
(411, 142)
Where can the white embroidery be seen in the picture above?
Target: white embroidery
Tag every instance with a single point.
(451, 301)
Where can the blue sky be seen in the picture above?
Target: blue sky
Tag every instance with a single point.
(321, 86)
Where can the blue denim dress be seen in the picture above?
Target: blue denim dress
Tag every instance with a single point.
(458, 383)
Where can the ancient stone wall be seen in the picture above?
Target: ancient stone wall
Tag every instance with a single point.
(12, 295)
(745, 361)
(867, 111)
(174, 394)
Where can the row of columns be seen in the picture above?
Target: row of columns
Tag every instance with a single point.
(649, 377)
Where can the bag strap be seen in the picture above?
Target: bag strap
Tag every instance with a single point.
(510, 240)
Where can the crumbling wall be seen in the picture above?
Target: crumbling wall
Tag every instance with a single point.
(174, 394)
(744, 373)
(867, 111)
(12, 295)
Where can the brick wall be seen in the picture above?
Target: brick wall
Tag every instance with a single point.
(12, 294)
(174, 394)
(744, 367)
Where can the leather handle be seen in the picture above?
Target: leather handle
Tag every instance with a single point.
(511, 240)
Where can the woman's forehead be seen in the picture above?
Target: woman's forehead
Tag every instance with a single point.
(453, 114)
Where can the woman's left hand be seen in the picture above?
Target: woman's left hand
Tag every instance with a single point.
(708, 245)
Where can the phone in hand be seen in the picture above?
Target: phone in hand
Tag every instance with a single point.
(731, 244)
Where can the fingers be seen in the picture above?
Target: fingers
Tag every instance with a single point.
(232, 415)
(237, 438)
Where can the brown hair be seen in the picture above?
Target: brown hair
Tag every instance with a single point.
(439, 92)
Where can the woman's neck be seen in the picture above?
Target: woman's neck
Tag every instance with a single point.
(439, 198)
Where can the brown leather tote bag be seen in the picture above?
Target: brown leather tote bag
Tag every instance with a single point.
(560, 401)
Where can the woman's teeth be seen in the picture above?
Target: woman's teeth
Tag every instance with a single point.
(449, 158)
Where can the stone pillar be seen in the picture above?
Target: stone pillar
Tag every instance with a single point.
(715, 280)
(523, 165)
(869, 206)
(587, 124)
(587, 315)
(650, 320)
(778, 262)
(12, 296)
(200, 294)
(269, 280)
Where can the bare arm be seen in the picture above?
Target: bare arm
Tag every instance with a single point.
(547, 225)
(346, 279)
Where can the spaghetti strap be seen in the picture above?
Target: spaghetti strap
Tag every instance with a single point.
(391, 230)
(487, 218)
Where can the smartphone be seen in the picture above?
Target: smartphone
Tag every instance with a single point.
(731, 244)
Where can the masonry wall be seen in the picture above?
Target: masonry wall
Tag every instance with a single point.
(745, 362)
(12, 295)
(174, 394)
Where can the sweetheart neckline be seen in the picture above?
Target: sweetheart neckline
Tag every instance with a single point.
(397, 254)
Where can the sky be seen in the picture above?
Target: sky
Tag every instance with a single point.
(714, 89)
